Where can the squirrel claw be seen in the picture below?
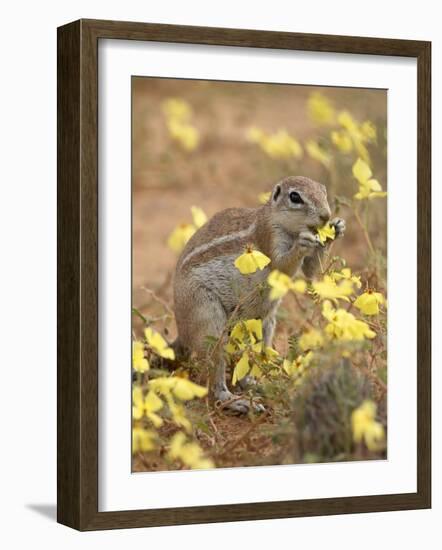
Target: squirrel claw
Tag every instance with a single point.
(339, 225)
(232, 404)
(308, 240)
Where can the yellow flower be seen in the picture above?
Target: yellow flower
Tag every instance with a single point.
(247, 337)
(368, 130)
(146, 406)
(369, 302)
(180, 235)
(328, 289)
(344, 326)
(316, 152)
(158, 344)
(178, 114)
(183, 232)
(298, 367)
(268, 353)
(346, 273)
(177, 109)
(326, 232)
(347, 121)
(299, 286)
(281, 145)
(366, 428)
(242, 368)
(311, 339)
(281, 283)
(185, 390)
(255, 371)
(178, 413)
(185, 134)
(250, 261)
(244, 332)
(162, 384)
(368, 188)
(290, 367)
(320, 109)
(139, 362)
(255, 135)
(199, 216)
(181, 388)
(168, 387)
(249, 332)
(357, 133)
(361, 171)
(190, 453)
(278, 145)
(253, 327)
(264, 197)
(142, 440)
(342, 140)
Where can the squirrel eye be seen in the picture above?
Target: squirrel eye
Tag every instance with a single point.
(296, 198)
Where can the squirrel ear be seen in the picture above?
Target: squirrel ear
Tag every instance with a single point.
(276, 192)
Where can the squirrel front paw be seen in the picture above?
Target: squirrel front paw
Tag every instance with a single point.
(308, 241)
(339, 225)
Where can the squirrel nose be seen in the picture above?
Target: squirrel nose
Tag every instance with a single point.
(325, 216)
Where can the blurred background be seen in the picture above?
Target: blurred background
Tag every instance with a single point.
(219, 161)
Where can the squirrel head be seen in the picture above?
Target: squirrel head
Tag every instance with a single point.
(299, 204)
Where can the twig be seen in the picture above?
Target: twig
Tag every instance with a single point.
(143, 460)
(243, 436)
(328, 254)
(302, 308)
(165, 283)
(374, 377)
(158, 299)
(320, 262)
(215, 429)
(364, 231)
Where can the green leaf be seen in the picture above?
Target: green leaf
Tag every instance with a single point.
(140, 315)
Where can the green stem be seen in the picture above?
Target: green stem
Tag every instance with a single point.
(140, 315)
(333, 177)
(364, 230)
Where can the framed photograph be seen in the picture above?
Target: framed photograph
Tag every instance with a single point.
(243, 274)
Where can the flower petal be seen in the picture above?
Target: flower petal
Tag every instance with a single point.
(361, 171)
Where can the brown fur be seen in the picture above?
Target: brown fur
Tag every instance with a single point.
(208, 286)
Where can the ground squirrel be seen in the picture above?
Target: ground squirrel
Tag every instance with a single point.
(208, 287)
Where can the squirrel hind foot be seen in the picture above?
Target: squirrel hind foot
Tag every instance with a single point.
(236, 405)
